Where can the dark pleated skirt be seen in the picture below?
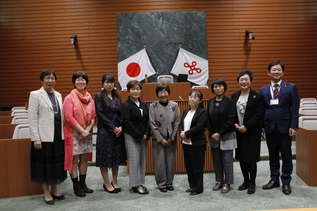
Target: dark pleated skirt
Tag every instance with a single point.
(47, 164)
(110, 150)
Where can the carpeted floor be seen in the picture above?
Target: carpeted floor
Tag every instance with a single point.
(303, 196)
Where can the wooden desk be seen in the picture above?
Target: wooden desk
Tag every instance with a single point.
(15, 175)
(177, 89)
(306, 156)
(6, 119)
(6, 130)
(5, 113)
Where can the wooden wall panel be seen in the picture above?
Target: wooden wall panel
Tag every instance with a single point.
(35, 36)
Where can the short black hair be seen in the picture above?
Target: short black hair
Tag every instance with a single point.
(161, 87)
(243, 72)
(218, 81)
(78, 75)
(47, 72)
(132, 83)
(276, 62)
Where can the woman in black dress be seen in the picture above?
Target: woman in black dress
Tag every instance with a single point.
(45, 113)
(110, 148)
(248, 124)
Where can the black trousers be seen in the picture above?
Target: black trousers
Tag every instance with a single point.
(194, 158)
(280, 143)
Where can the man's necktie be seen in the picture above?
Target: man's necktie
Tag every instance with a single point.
(275, 91)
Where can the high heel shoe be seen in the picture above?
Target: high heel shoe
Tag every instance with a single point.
(112, 191)
(117, 189)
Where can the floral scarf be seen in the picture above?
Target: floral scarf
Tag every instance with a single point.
(82, 107)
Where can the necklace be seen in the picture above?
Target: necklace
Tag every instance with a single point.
(55, 107)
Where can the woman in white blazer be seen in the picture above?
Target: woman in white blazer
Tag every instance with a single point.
(47, 152)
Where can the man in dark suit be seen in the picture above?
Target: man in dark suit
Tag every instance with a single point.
(280, 124)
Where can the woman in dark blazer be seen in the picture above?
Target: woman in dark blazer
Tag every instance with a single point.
(135, 116)
(248, 124)
(194, 142)
(110, 148)
(221, 112)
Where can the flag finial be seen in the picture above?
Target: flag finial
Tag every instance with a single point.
(144, 46)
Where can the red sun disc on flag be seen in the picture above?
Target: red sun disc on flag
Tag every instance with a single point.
(133, 69)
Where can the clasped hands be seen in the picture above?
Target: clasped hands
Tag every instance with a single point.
(166, 142)
(241, 129)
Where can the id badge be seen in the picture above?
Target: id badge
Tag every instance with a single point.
(274, 102)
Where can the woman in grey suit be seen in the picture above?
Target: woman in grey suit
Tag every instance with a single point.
(248, 124)
(164, 121)
(221, 112)
(45, 114)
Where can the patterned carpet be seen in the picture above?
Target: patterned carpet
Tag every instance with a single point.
(303, 196)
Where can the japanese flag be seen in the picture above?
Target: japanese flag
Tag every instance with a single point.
(192, 65)
(134, 68)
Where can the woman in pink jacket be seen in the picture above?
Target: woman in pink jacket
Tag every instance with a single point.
(80, 115)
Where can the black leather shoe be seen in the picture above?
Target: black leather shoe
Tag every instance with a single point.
(243, 187)
(225, 188)
(251, 191)
(170, 188)
(188, 190)
(109, 191)
(286, 189)
(60, 197)
(194, 193)
(271, 184)
(49, 202)
(217, 186)
(163, 190)
(140, 190)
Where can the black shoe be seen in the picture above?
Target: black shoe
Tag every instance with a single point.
(188, 190)
(243, 187)
(217, 186)
(271, 184)
(194, 193)
(106, 189)
(117, 189)
(140, 189)
(170, 188)
(286, 189)
(225, 188)
(49, 202)
(163, 190)
(60, 197)
(251, 191)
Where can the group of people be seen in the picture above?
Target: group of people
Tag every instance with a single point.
(61, 133)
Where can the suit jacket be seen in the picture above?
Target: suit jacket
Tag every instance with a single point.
(226, 124)
(197, 126)
(253, 112)
(104, 113)
(133, 122)
(285, 114)
(163, 120)
(41, 115)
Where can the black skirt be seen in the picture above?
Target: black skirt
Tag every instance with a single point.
(47, 164)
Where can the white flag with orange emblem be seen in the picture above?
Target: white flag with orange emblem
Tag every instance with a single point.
(192, 65)
(134, 67)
